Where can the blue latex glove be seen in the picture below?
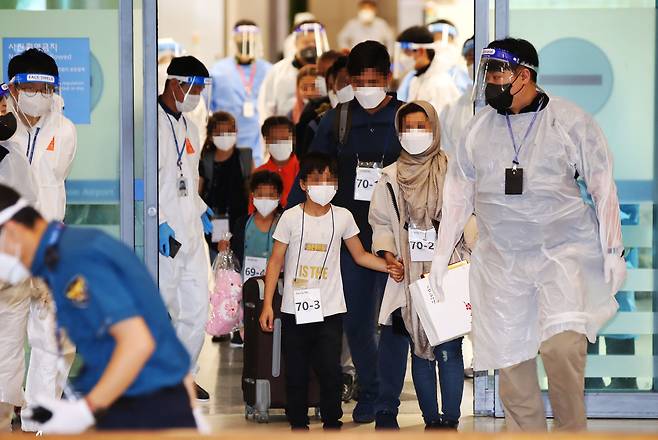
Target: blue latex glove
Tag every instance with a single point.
(164, 233)
(205, 219)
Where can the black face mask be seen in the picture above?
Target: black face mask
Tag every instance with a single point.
(501, 101)
(7, 126)
(308, 55)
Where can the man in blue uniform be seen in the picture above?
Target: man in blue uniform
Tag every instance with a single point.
(135, 370)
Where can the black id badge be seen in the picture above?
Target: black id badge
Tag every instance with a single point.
(513, 181)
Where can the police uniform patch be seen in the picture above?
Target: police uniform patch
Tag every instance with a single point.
(76, 291)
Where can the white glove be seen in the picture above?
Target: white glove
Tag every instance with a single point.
(614, 270)
(436, 281)
(202, 424)
(68, 417)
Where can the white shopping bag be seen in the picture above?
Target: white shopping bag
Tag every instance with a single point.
(448, 319)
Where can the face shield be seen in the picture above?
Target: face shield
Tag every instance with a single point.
(311, 42)
(168, 49)
(193, 90)
(496, 74)
(248, 42)
(35, 95)
(444, 33)
(404, 57)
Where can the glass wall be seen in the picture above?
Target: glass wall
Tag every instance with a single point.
(602, 55)
(83, 37)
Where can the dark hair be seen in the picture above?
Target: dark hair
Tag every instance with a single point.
(420, 35)
(266, 177)
(316, 162)
(408, 109)
(32, 61)
(522, 49)
(27, 216)
(275, 121)
(337, 66)
(213, 121)
(330, 55)
(369, 55)
(245, 23)
(307, 22)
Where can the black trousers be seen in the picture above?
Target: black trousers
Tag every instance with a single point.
(167, 408)
(316, 346)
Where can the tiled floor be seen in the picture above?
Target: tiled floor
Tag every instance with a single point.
(221, 369)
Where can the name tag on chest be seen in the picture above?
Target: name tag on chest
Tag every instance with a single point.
(364, 184)
(421, 244)
(308, 306)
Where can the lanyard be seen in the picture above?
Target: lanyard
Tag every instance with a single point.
(517, 149)
(30, 152)
(301, 242)
(251, 222)
(248, 86)
(179, 149)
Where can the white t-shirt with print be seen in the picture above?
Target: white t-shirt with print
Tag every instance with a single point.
(317, 237)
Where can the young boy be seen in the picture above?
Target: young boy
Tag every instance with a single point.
(313, 301)
(277, 132)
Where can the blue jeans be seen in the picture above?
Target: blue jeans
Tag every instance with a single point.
(448, 356)
(363, 291)
(392, 366)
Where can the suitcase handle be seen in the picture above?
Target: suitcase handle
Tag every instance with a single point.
(276, 349)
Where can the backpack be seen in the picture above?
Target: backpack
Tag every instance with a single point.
(342, 123)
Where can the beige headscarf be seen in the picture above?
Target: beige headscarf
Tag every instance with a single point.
(420, 178)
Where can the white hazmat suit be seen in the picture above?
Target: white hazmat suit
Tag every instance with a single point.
(454, 118)
(277, 94)
(434, 86)
(51, 145)
(183, 279)
(538, 267)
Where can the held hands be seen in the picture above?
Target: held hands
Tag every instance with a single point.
(267, 319)
(614, 270)
(61, 416)
(394, 267)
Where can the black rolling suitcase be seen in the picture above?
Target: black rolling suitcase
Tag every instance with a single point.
(263, 372)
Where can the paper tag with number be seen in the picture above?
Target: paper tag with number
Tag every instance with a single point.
(254, 267)
(248, 109)
(220, 227)
(421, 244)
(364, 185)
(308, 306)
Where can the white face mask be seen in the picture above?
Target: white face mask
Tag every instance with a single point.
(333, 99)
(225, 142)
(281, 150)
(370, 97)
(416, 142)
(321, 194)
(36, 106)
(321, 85)
(12, 270)
(265, 206)
(189, 103)
(366, 16)
(346, 94)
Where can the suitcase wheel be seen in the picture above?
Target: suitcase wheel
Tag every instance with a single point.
(263, 417)
(316, 413)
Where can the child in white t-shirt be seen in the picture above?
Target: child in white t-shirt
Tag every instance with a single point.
(309, 237)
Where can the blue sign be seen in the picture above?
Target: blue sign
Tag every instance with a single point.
(578, 70)
(72, 57)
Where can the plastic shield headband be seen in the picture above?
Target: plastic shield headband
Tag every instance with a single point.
(4, 90)
(312, 35)
(497, 68)
(9, 212)
(446, 31)
(36, 94)
(403, 61)
(195, 85)
(248, 42)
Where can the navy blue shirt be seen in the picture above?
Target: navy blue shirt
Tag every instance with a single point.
(371, 137)
(96, 283)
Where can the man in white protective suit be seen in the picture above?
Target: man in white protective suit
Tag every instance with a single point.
(183, 216)
(547, 265)
(40, 157)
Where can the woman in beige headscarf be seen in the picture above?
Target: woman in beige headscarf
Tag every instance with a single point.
(407, 200)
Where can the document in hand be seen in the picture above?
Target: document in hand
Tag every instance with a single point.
(448, 319)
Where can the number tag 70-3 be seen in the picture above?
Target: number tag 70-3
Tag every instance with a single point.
(308, 306)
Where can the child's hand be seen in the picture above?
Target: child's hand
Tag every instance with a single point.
(267, 319)
(223, 245)
(396, 271)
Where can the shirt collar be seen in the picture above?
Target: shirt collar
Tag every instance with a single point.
(541, 99)
(39, 260)
(176, 115)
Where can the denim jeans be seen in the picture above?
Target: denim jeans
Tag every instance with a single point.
(448, 357)
(392, 367)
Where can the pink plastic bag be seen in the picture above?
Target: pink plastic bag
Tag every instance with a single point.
(225, 301)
